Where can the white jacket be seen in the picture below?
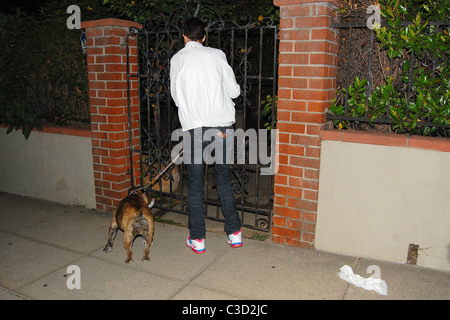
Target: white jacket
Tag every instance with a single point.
(202, 84)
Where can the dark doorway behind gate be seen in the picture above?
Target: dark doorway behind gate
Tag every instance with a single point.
(252, 51)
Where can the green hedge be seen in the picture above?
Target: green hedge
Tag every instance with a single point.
(43, 71)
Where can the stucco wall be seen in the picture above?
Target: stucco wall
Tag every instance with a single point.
(50, 166)
(375, 200)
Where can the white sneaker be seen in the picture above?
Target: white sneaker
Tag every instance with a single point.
(197, 245)
(235, 239)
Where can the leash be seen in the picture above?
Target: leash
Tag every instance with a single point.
(159, 174)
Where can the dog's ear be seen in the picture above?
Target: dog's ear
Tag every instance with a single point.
(152, 203)
(144, 196)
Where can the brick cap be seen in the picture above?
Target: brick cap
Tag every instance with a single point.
(291, 2)
(72, 131)
(387, 139)
(110, 22)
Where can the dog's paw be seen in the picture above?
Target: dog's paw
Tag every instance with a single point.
(145, 258)
(107, 249)
(128, 260)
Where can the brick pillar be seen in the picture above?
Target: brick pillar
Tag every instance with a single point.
(107, 74)
(306, 87)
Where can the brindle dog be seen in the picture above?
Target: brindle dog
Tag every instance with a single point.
(133, 216)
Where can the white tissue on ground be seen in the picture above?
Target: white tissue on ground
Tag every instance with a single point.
(374, 284)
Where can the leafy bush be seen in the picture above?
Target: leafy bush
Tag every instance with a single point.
(15, 112)
(270, 112)
(142, 10)
(420, 102)
(43, 72)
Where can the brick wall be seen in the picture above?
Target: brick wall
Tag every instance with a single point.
(107, 74)
(306, 87)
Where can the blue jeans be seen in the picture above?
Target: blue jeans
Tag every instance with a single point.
(195, 170)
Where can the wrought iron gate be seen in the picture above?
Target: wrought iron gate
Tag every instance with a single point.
(252, 51)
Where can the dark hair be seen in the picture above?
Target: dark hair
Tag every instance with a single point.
(194, 29)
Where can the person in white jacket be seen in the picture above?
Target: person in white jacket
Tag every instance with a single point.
(203, 84)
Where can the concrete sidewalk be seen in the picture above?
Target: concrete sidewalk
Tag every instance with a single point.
(40, 239)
